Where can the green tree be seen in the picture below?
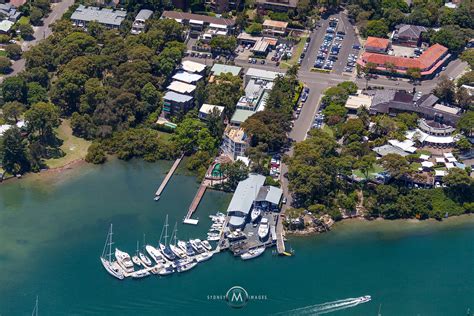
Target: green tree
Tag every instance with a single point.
(15, 156)
(13, 51)
(468, 56)
(14, 89)
(445, 89)
(96, 154)
(192, 135)
(36, 15)
(376, 28)
(12, 111)
(466, 123)
(223, 43)
(414, 73)
(5, 65)
(254, 29)
(397, 166)
(36, 93)
(234, 172)
(41, 120)
(26, 31)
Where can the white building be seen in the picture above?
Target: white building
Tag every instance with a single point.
(235, 142)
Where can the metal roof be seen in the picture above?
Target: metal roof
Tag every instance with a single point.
(246, 193)
(263, 74)
(103, 16)
(269, 194)
(181, 87)
(144, 14)
(192, 66)
(241, 115)
(177, 97)
(187, 77)
(219, 69)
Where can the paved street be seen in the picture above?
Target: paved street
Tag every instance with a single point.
(41, 32)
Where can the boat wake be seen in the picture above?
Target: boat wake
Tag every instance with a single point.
(328, 307)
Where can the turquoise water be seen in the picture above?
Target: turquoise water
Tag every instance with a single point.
(52, 230)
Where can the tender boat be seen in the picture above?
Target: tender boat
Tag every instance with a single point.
(206, 245)
(252, 253)
(185, 265)
(263, 228)
(145, 259)
(365, 299)
(255, 214)
(124, 260)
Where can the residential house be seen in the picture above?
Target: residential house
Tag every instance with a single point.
(9, 12)
(275, 28)
(408, 35)
(235, 142)
(377, 45)
(108, 17)
(208, 109)
(277, 5)
(198, 23)
(176, 102)
(138, 25)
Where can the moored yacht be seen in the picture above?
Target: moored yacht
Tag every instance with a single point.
(166, 251)
(110, 266)
(185, 265)
(263, 228)
(252, 253)
(145, 259)
(177, 251)
(154, 253)
(206, 245)
(124, 260)
(204, 256)
(196, 244)
(140, 274)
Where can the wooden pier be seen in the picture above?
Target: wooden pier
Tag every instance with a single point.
(168, 177)
(279, 233)
(194, 204)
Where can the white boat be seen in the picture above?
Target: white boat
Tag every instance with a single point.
(263, 228)
(204, 256)
(140, 274)
(364, 299)
(165, 247)
(185, 265)
(182, 245)
(166, 271)
(206, 245)
(156, 198)
(196, 244)
(255, 214)
(213, 238)
(178, 251)
(252, 253)
(154, 253)
(216, 226)
(145, 259)
(135, 258)
(106, 258)
(124, 260)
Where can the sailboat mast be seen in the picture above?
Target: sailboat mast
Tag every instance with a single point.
(175, 232)
(110, 243)
(35, 310)
(166, 231)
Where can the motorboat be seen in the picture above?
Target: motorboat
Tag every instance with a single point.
(166, 271)
(213, 238)
(185, 265)
(252, 253)
(154, 253)
(140, 274)
(196, 244)
(204, 256)
(145, 259)
(255, 214)
(180, 253)
(189, 249)
(124, 260)
(182, 245)
(364, 299)
(263, 228)
(206, 245)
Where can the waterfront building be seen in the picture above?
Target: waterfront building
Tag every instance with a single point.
(138, 25)
(269, 198)
(108, 17)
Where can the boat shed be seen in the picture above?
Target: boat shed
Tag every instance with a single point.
(242, 200)
(269, 197)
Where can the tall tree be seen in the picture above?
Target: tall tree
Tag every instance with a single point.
(15, 157)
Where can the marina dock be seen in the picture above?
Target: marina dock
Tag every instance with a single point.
(195, 203)
(168, 177)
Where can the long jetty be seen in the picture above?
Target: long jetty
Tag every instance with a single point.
(279, 233)
(194, 204)
(168, 177)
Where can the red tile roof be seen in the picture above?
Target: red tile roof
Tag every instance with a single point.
(17, 3)
(377, 42)
(426, 60)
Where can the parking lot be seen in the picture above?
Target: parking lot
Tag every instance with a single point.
(334, 46)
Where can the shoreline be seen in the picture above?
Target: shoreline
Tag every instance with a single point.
(458, 219)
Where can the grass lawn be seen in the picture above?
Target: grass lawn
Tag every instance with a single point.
(375, 169)
(74, 147)
(415, 166)
(3, 53)
(423, 152)
(296, 54)
(165, 135)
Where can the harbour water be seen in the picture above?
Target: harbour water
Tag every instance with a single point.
(52, 230)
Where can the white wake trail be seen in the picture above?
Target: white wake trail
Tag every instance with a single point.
(327, 307)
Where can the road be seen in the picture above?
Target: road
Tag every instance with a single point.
(41, 32)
